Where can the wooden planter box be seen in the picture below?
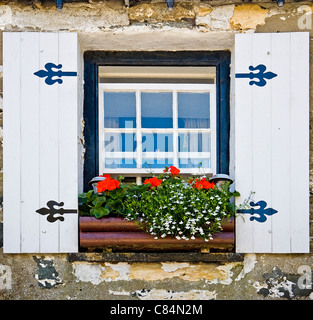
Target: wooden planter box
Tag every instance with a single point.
(118, 234)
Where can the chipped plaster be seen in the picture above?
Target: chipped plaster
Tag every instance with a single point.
(108, 272)
(159, 294)
(172, 266)
(248, 265)
(88, 272)
(47, 276)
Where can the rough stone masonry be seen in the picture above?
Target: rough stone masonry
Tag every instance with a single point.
(150, 25)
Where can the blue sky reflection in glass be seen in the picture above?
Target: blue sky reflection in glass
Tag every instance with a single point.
(193, 110)
(156, 110)
(119, 109)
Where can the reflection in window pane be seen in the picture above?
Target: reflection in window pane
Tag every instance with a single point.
(120, 150)
(156, 110)
(194, 142)
(119, 142)
(152, 142)
(119, 109)
(193, 110)
(157, 150)
(194, 150)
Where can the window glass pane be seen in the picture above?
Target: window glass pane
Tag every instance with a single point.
(156, 110)
(119, 109)
(154, 142)
(193, 109)
(157, 150)
(120, 150)
(194, 150)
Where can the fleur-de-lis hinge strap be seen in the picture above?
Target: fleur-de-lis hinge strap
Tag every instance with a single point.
(51, 211)
(262, 211)
(53, 76)
(260, 76)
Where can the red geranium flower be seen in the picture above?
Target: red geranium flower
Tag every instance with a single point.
(174, 171)
(204, 184)
(107, 184)
(154, 182)
(106, 176)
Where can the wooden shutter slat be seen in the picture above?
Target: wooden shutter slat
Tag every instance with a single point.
(68, 163)
(299, 142)
(281, 56)
(11, 139)
(30, 111)
(49, 131)
(243, 160)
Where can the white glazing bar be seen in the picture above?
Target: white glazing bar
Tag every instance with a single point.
(120, 154)
(138, 126)
(194, 155)
(129, 172)
(101, 155)
(119, 130)
(213, 128)
(175, 126)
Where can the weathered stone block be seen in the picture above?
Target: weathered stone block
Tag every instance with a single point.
(217, 19)
(248, 16)
(159, 12)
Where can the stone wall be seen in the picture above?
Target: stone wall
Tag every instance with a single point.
(191, 25)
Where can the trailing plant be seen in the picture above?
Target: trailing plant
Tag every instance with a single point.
(165, 205)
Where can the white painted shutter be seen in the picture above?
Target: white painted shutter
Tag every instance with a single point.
(272, 142)
(40, 142)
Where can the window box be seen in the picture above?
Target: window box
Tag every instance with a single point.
(165, 214)
(119, 234)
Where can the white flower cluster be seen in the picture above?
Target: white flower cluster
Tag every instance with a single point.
(181, 211)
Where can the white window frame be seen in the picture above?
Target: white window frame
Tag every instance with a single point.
(156, 87)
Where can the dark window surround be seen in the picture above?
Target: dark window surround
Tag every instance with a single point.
(94, 59)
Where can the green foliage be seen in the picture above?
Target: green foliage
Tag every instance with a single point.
(102, 204)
